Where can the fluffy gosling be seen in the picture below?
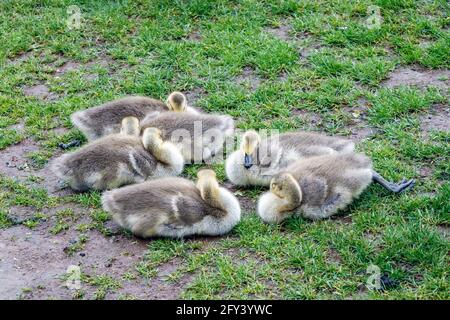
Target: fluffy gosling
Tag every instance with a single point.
(174, 207)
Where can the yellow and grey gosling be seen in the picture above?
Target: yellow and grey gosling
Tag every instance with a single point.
(200, 137)
(105, 119)
(119, 159)
(257, 159)
(174, 207)
(317, 187)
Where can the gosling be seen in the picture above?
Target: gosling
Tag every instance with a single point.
(316, 188)
(200, 137)
(258, 159)
(118, 160)
(174, 207)
(105, 119)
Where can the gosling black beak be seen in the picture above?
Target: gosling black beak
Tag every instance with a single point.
(248, 161)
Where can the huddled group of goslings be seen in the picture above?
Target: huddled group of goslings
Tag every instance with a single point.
(133, 157)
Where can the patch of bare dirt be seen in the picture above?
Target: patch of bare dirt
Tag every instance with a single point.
(308, 46)
(344, 219)
(67, 67)
(333, 256)
(102, 60)
(193, 96)
(15, 164)
(18, 127)
(37, 260)
(361, 131)
(59, 131)
(33, 263)
(19, 214)
(248, 204)
(418, 77)
(437, 119)
(249, 78)
(283, 77)
(357, 121)
(444, 230)
(425, 172)
(281, 31)
(195, 36)
(373, 237)
(39, 91)
(13, 161)
(21, 58)
(312, 119)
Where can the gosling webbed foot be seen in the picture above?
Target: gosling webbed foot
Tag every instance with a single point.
(401, 186)
(62, 185)
(391, 186)
(71, 144)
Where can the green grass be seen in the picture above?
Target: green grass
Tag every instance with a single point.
(154, 47)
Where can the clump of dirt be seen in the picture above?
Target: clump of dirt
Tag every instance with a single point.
(418, 77)
(248, 78)
(13, 161)
(437, 119)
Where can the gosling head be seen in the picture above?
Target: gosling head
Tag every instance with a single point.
(283, 185)
(249, 146)
(130, 126)
(152, 137)
(177, 102)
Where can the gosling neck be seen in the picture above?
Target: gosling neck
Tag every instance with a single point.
(210, 192)
(130, 131)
